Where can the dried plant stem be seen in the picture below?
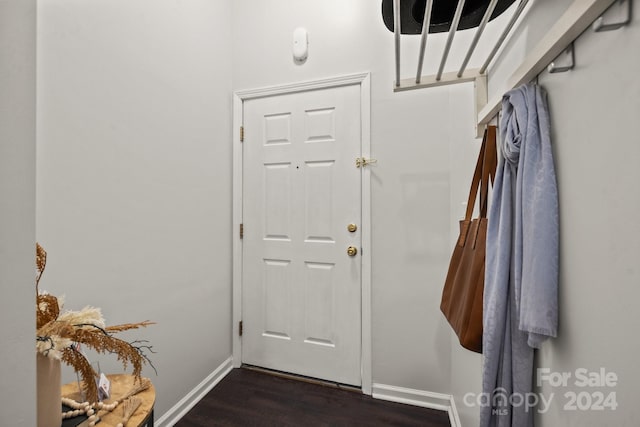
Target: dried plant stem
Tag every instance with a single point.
(41, 263)
(141, 385)
(129, 406)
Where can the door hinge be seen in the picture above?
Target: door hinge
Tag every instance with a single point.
(241, 133)
(242, 231)
(240, 328)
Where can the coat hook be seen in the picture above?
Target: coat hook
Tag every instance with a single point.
(623, 11)
(554, 67)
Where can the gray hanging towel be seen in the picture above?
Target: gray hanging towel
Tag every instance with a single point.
(521, 277)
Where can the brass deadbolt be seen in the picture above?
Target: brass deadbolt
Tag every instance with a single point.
(352, 228)
(352, 251)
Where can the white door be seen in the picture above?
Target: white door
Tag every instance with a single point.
(301, 290)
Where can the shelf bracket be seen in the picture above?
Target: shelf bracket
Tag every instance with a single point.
(479, 83)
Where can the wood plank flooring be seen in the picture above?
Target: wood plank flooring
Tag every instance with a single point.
(247, 397)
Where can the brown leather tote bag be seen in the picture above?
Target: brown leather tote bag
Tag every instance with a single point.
(464, 286)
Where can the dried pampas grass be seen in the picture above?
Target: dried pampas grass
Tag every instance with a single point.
(58, 335)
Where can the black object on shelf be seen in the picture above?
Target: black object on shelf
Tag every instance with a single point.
(412, 14)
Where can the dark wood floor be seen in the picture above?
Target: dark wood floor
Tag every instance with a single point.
(247, 397)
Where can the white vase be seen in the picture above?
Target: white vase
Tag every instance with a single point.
(49, 398)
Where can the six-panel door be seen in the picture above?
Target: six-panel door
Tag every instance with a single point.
(301, 190)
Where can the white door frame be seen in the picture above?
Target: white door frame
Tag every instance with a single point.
(363, 80)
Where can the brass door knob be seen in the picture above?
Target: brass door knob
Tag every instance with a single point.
(352, 251)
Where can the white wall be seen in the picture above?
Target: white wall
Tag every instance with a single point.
(17, 212)
(466, 366)
(595, 110)
(134, 173)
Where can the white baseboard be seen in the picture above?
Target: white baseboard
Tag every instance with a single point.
(454, 418)
(425, 399)
(179, 410)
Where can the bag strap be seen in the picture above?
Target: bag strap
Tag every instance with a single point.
(489, 164)
(485, 171)
(475, 182)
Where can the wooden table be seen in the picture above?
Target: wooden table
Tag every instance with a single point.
(120, 384)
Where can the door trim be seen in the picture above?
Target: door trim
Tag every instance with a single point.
(364, 81)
